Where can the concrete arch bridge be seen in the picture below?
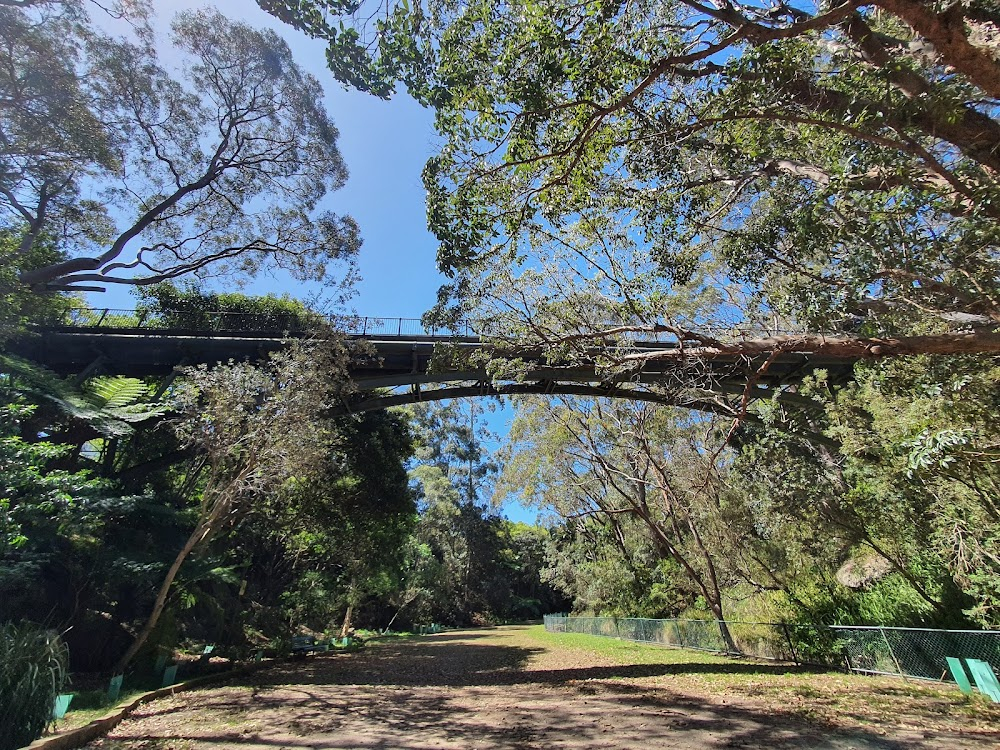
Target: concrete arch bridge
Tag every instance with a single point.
(398, 364)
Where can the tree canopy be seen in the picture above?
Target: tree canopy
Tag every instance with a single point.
(709, 170)
(140, 173)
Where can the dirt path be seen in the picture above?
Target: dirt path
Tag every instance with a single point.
(520, 689)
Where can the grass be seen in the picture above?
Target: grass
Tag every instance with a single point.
(627, 652)
(91, 705)
(833, 697)
(33, 671)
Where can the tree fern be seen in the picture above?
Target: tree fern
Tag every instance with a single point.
(111, 405)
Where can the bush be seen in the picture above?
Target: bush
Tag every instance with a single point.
(168, 306)
(33, 671)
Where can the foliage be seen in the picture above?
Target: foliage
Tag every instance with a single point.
(33, 671)
(346, 526)
(219, 169)
(33, 493)
(18, 306)
(190, 307)
(109, 406)
(467, 564)
(922, 441)
(622, 471)
(837, 163)
(254, 429)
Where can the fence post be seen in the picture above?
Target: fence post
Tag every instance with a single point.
(399, 328)
(677, 629)
(892, 653)
(364, 327)
(791, 646)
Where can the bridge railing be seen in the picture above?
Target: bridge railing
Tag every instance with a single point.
(250, 322)
(276, 323)
(370, 326)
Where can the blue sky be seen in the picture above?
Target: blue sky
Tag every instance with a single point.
(385, 145)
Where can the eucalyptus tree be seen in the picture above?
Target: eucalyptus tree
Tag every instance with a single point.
(141, 173)
(618, 462)
(252, 430)
(835, 162)
(453, 474)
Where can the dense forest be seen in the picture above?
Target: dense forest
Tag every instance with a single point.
(740, 180)
(224, 506)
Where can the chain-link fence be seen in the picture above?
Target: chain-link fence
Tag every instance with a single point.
(914, 652)
(762, 640)
(905, 652)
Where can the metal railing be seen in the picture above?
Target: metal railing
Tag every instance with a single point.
(900, 652)
(249, 322)
(291, 322)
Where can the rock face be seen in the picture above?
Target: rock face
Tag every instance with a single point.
(862, 570)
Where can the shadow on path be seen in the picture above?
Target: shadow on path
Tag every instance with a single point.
(455, 691)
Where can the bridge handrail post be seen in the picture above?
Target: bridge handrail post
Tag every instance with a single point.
(399, 327)
(364, 327)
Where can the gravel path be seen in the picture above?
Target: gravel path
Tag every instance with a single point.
(505, 688)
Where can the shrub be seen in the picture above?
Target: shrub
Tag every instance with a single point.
(33, 671)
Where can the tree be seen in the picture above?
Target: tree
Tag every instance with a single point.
(600, 462)
(370, 509)
(454, 475)
(837, 164)
(140, 176)
(18, 305)
(253, 430)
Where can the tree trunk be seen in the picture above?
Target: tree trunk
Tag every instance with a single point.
(979, 342)
(350, 609)
(161, 599)
(396, 614)
(347, 620)
(727, 636)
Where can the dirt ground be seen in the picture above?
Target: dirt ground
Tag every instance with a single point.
(519, 688)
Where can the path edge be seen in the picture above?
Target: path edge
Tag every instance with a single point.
(73, 738)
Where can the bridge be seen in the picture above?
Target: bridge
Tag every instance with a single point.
(397, 364)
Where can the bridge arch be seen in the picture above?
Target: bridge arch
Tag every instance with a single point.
(400, 354)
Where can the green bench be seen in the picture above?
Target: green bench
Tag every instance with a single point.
(303, 645)
(982, 674)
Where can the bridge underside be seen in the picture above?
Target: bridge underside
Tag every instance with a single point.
(394, 370)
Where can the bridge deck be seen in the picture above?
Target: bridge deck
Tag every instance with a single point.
(398, 360)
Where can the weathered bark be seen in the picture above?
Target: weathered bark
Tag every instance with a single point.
(975, 342)
(946, 33)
